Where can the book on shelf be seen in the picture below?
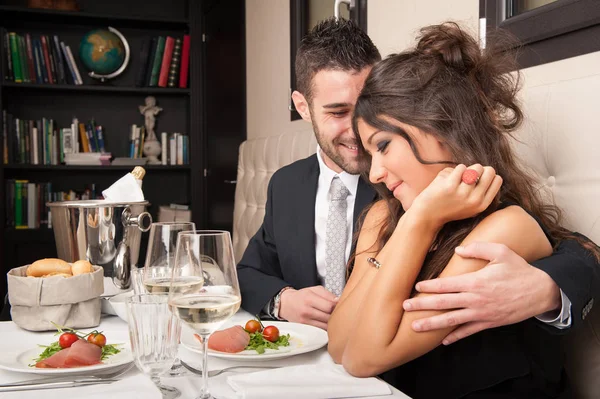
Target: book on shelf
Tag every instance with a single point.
(174, 149)
(38, 59)
(185, 62)
(26, 202)
(175, 64)
(162, 62)
(43, 142)
(88, 158)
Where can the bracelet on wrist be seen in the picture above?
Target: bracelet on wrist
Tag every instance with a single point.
(374, 262)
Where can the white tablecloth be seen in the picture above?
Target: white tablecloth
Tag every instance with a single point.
(134, 384)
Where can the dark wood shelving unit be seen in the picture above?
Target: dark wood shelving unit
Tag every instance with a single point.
(89, 18)
(211, 110)
(99, 168)
(97, 88)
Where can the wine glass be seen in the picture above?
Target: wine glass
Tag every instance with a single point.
(207, 256)
(154, 334)
(160, 258)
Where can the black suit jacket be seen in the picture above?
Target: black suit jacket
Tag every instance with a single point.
(577, 272)
(282, 252)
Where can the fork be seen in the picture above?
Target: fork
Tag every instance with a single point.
(214, 373)
(80, 378)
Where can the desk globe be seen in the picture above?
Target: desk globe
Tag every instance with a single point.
(104, 52)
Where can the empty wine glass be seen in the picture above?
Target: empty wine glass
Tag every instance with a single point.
(154, 334)
(204, 256)
(160, 258)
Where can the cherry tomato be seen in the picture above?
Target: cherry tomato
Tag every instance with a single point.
(97, 339)
(271, 333)
(253, 326)
(67, 339)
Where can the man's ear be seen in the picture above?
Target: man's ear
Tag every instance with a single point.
(301, 105)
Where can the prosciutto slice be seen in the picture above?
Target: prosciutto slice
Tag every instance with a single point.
(81, 353)
(231, 340)
(55, 361)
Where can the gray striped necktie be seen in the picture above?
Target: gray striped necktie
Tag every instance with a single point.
(336, 237)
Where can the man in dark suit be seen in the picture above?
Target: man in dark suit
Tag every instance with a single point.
(290, 270)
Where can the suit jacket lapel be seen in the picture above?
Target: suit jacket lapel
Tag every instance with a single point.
(365, 194)
(306, 197)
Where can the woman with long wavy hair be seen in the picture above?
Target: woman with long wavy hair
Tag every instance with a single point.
(421, 117)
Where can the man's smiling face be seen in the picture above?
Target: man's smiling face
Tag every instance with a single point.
(334, 95)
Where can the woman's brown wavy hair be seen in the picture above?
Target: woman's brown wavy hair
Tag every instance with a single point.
(447, 86)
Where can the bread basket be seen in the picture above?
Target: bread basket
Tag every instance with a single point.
(37, 302)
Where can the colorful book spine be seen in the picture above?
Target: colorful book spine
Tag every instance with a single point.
(68, 62)
(175, 64)
(23, 59)
(59, 60)
(37, 60)
(47, 61)
(185, 62)
(100, 136)
(52, 56)
(30, 58)
(8, 64)
(140, 79)
(150, 61)
(160, 48)
(16, 59)
(85, 145)
(4, 138)
(166, 62)
(75, 68)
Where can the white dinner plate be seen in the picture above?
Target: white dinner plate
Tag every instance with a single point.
(19, 358)
(303, 339)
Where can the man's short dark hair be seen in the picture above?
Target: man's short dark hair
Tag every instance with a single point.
(336, 44)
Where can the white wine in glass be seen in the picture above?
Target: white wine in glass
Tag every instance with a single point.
(206, 255)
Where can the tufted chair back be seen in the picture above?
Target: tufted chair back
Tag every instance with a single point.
(258, 160)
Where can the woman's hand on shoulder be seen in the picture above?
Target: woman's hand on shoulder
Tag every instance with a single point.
(449, 198)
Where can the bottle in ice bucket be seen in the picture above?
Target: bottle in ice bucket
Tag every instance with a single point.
(128, 188)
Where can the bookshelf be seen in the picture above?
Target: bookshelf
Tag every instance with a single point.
(215, 128)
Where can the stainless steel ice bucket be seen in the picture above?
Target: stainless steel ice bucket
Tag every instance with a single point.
(107, 234)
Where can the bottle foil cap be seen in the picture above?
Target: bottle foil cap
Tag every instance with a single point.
(138, 172)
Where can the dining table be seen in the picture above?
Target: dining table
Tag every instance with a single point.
(134, 384)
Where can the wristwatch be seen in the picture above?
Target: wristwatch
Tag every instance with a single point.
(276, 304)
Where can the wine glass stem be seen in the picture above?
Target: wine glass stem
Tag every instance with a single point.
(204, 393)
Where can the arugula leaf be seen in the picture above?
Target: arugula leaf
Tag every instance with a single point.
(49, 351)
(108, 350)
(259, 343)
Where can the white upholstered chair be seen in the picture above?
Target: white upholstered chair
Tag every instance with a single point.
(560, 140)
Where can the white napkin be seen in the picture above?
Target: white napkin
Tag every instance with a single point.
(126, 189)
(315, 381)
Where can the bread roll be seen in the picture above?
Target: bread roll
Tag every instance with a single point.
(43, 267)
(80, 267)
(54, 274)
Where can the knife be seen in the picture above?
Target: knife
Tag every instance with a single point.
(27, 386)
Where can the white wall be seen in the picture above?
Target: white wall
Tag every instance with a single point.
(392, 24)
(268, 69)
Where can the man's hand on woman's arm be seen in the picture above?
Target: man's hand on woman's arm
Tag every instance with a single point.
(508, 290)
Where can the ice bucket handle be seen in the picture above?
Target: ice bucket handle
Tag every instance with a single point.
(122, 266)
(143, 221)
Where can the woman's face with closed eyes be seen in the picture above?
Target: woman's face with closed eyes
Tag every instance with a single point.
(394, 163)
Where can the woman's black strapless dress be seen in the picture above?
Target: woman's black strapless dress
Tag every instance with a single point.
(522, 360)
